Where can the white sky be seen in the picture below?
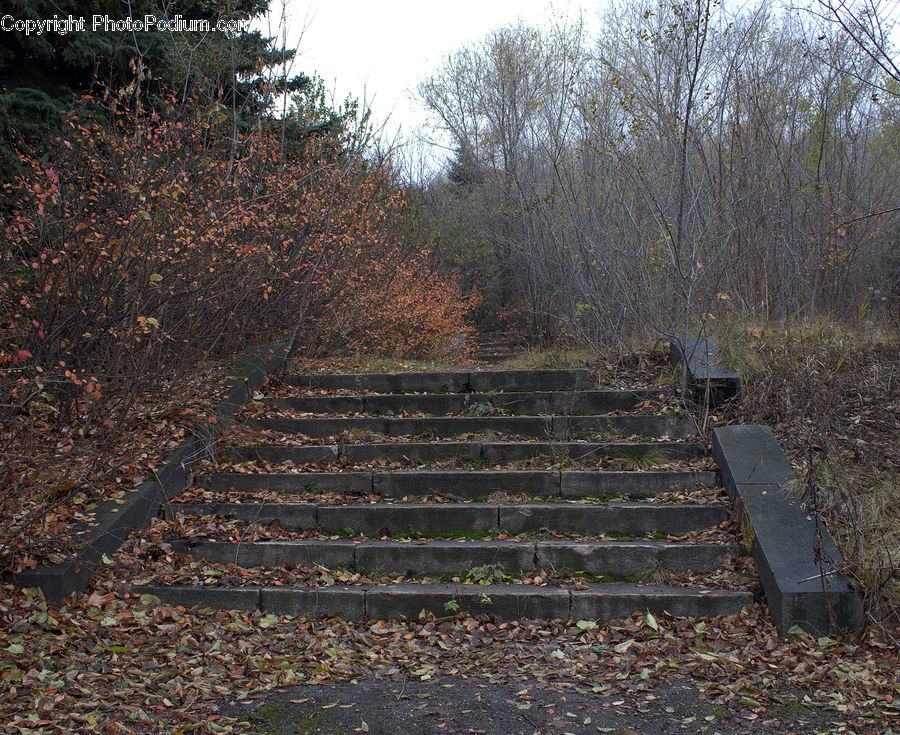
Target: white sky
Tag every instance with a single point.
(378, 51)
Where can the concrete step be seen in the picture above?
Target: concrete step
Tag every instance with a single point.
(289, 515)
(510, 602)
(530, 380)
(502, 452)
(493, 341)
(436, 519)
(494, 355)
(351, 483)
(455, 558)
(559, 427)
(525, 403)
(274, 453)
(536, 483)
(615, 519)
(490, 452)
(467, 484)
(450, 382)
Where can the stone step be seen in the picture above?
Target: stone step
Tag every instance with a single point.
(455, 558)
(490, 452)
(533, 402)
(502, 452)
(493, 341)
(350, 483)
(413, 451)
(559, 427)
(289, 515)
(494, 355)
(549, 483)
(467, 484)
(510, 602)
(436, 519)
(475, 381)
(274, 453)
(616, 519)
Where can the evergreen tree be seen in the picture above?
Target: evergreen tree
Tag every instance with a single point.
(42, 74)
(464, 170)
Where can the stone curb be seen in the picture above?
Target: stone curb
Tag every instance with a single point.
(802, 587)
(705, 369)
(116, 519)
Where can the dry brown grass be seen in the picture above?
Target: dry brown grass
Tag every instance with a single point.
(831, 394)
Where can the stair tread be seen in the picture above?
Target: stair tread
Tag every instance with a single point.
(453, 505)
(510, 601)
(539, 426)
(440, 542)
(459, 381)
(463, 483)
(598, 588)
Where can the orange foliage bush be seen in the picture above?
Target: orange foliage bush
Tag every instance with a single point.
(156, 243)
(397, 304)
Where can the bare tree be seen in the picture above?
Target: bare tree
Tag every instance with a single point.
(688, 163)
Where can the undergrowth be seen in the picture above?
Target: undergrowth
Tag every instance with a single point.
(831, 394)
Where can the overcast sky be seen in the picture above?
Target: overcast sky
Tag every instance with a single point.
(380, 50)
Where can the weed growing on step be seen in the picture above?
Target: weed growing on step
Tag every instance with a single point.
(451, 535)
(655, 573)
(487, 574)
(631, 460)
(481, 409)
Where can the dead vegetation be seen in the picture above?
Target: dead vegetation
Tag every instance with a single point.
(831, 394)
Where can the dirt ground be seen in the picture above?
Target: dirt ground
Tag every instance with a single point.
(521, 706)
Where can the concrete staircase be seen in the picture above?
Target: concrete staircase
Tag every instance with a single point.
(493, 347)
(496, 478)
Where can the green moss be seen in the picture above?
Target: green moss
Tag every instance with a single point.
(280, 718)
(716, 710)
(453, 535)
(790, 709)
(611, 578)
